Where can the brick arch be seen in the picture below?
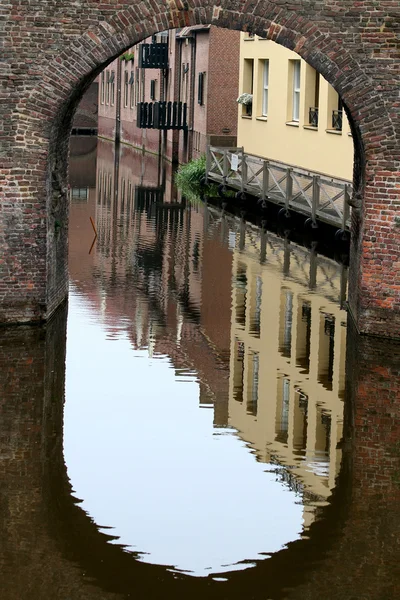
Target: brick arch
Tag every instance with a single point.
(349, 45)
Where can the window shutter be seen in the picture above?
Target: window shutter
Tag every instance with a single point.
(200, 91)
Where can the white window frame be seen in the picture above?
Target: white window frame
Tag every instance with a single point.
(102, 88)
(112, 88)
(132, 89)
(264, 109)
(126, 88)
(296, 90)
(107, 88)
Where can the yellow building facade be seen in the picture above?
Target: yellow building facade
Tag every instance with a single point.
(296, 116)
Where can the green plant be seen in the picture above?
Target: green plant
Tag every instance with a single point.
(189, 178)
(127, 56)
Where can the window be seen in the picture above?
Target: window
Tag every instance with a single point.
(153, 89)
(337, 116)
(265, 89)
(185, 82)
(126, 88)
(200, 90)
(102, 88)
(311, 96)
(112, 88)
(296, 91)
(137, 85)
(132, 88)
(335, 111)
(108, 87)
(248, 74)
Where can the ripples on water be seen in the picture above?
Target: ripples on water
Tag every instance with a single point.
(203, 388)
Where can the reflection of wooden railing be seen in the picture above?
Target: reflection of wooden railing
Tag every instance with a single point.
(287, 371)
(316, 196)
(301, 265)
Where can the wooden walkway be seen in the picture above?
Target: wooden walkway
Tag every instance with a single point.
(318, 197)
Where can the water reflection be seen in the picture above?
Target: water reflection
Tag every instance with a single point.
(290, 409)
(247, 332)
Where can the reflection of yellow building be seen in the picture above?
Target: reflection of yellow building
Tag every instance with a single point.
(287, 373)
(295, 117)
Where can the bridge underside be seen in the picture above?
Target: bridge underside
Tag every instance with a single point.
(52, 52)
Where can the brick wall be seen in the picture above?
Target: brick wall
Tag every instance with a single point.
(223, 88)
(51, 52)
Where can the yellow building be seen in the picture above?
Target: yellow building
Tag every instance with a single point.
(295, 116)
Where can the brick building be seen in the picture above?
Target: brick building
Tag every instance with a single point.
(196, 67)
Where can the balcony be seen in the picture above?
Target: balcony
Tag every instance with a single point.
(313, 116)
(337, 120)
(153, 56)
(161, 115)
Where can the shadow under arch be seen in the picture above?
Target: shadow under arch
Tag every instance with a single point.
(350, 550)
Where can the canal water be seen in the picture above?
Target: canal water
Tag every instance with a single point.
(205, 421)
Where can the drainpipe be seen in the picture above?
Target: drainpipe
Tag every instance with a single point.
(192, 99)
(118, 104)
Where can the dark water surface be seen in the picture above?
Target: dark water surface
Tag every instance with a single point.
(205, 423)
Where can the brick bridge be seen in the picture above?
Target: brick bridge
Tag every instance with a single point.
(51, 550)
(51, 51)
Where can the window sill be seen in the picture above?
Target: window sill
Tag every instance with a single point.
(334, 131)
(292, 123)
(247, 117)
(310, 127)
(262, 118)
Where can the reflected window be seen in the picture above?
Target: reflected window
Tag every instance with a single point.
(322, 441)
(282, 414)
(79, 195)
(238, 371)
(300, 422)
(122, 196)
(326, 350)
(256, 322)
(99, 189)
(109, 191)
(286, 320)
(241, 293)
(252, 399)
(303, 339)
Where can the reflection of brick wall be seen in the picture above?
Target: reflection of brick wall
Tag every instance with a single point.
(363, 561)
(86, 113)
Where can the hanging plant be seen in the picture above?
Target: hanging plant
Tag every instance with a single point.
(128, 56)
(246, 99)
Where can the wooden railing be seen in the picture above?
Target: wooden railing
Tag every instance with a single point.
(317, 196)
